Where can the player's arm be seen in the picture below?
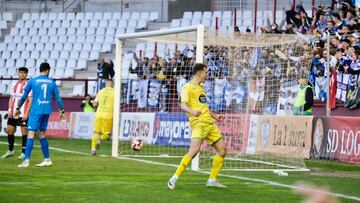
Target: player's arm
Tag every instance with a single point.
(57, 97)
(10, 113)
(95, 102)
(27, 90)
(59, 102)
(217, 117)
(184, 103)
(187, 109)
(27, 110)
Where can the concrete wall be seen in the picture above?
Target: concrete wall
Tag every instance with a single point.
(160, 6)
(177, 7)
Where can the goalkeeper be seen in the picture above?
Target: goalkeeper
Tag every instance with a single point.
(43, 89)
(104, 101)
(203, 126)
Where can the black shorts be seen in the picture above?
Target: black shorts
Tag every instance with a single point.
(17, 122)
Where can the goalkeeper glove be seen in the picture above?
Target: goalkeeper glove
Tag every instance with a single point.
(62, 115)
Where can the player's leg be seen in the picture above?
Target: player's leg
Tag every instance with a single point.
(96, 135)
(24, 131)
(11, 128)
(185, 161)
(198, 132)
(106, 129)
(28, 149)
(33, 126)
(44, 144)
(215, 139)
(218, 162)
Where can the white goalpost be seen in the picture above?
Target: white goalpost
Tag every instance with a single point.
(248, 74)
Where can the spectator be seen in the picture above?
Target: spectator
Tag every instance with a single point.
(161, 70)
(87, 104)
(104, 71)
(141, 68)
(304, 98)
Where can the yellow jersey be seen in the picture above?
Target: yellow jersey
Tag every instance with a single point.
(105, 100)
(194, 96)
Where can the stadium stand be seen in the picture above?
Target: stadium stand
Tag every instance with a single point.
(68, 41)
(225, 19)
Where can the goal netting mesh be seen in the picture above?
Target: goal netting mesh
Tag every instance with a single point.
(247, 74)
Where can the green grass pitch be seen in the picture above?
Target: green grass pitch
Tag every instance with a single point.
(84, 178)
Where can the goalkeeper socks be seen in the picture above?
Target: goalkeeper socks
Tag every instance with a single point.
(45, 147)
(217, 165)
(29, 147)
(23, 143)
(185, 161)
(11, 140)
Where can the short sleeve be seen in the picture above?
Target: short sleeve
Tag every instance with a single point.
(185, 92)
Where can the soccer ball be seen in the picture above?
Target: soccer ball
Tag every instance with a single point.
(137, 145)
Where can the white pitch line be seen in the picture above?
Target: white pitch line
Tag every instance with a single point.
(272, 183)
(249, 179)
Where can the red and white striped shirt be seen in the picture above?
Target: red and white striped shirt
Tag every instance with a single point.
(16, 91)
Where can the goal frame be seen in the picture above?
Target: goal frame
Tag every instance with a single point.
(199, 43)
(200, 34)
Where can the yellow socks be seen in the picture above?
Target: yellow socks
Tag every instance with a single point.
(185, 161)
(217, 165)
(94, 140)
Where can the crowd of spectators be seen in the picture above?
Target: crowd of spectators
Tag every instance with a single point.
(340, 22)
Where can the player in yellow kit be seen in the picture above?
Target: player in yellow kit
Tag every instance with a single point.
(104, 101)
(203, 126)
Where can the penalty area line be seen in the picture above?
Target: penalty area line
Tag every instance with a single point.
(266, 182)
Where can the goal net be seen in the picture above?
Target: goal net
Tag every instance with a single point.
(246, 76)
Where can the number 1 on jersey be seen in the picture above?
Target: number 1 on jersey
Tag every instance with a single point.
(44, 89)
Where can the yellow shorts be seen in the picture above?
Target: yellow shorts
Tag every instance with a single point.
(206, 131)
(102, 126)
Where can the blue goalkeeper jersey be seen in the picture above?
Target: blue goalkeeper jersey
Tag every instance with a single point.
(43, 89)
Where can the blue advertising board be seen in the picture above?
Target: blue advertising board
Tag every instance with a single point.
(172, 129)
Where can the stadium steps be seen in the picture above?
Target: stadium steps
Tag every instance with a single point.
(158, 25)
(6, 32)
(67, 87)
(92, 66)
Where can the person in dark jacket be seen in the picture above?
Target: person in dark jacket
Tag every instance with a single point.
(105, 71)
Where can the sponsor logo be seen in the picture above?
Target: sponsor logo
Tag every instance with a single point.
(133, 128)
(42, 102)
(318, 137)
(347, 141)
(172, 129)
(202, 99)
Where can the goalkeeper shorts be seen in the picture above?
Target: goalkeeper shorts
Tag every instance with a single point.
(38, 122)
(206, 131)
